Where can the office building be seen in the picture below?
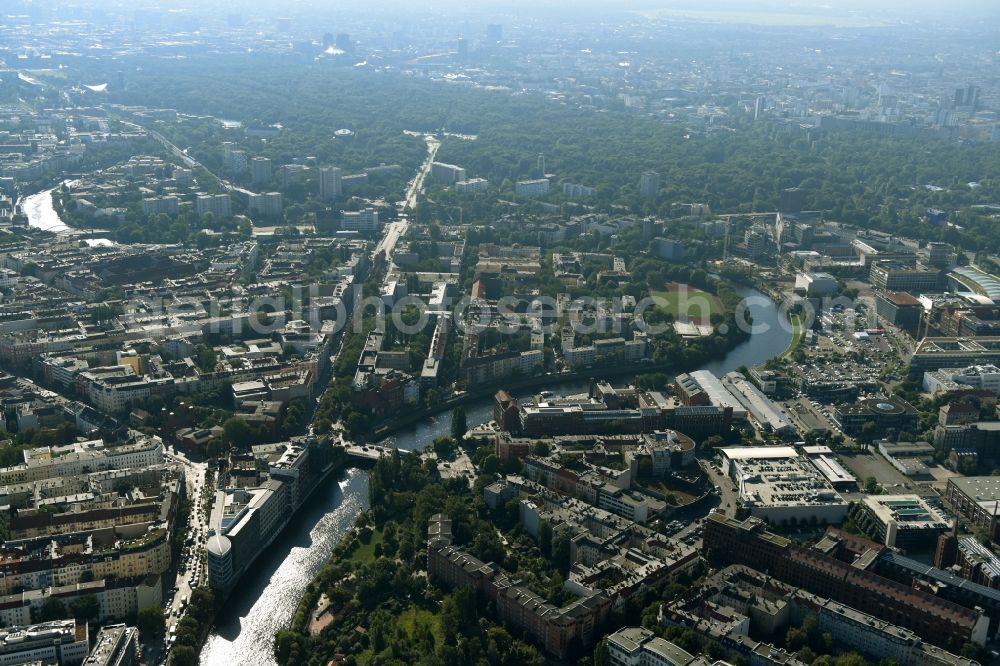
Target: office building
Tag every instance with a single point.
(953, 380)
(903, 276)
(63, 642)
(776, 483)
(756, 240)
(905, 521)
(649, 185)
(936, 353)
(330, 186)
(244, 521)
(899, 309)
(976, 498)
(816, 284)
(887, 414)
(360, 220)
(938, 255)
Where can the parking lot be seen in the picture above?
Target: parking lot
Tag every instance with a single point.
(809, 415)
(874, 465)
(850, 348)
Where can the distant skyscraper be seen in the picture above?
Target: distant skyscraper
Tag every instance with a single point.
(260, 170)
(758, 107)
(541, 165)
(649, 185)
(344, 42)
(463, 48)
(329, 183)
(494, 32)
(328, 40)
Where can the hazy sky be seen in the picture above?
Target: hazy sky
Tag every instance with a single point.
(982, 14)
(901, 7)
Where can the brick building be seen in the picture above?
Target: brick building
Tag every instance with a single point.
(554, 629)
(819, 570)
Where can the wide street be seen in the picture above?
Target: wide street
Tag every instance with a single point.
(190, 571)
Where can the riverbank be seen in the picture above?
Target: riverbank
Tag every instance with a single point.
(534, 381)
(798, 332)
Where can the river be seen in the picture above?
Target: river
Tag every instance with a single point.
(266, 598)
(267, 595)
(41, 214)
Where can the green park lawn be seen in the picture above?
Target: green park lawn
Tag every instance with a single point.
(697, 304)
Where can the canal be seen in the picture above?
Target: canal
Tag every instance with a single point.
(266, 598)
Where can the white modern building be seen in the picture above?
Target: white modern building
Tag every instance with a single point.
(816, 284)
(777, 484)
(472, 186)
(986, 377)
(446, 174)
(63, 642)
(636, 646)
(532, 188)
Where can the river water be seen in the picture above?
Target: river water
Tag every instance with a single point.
(265, 601)
(41, 214)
